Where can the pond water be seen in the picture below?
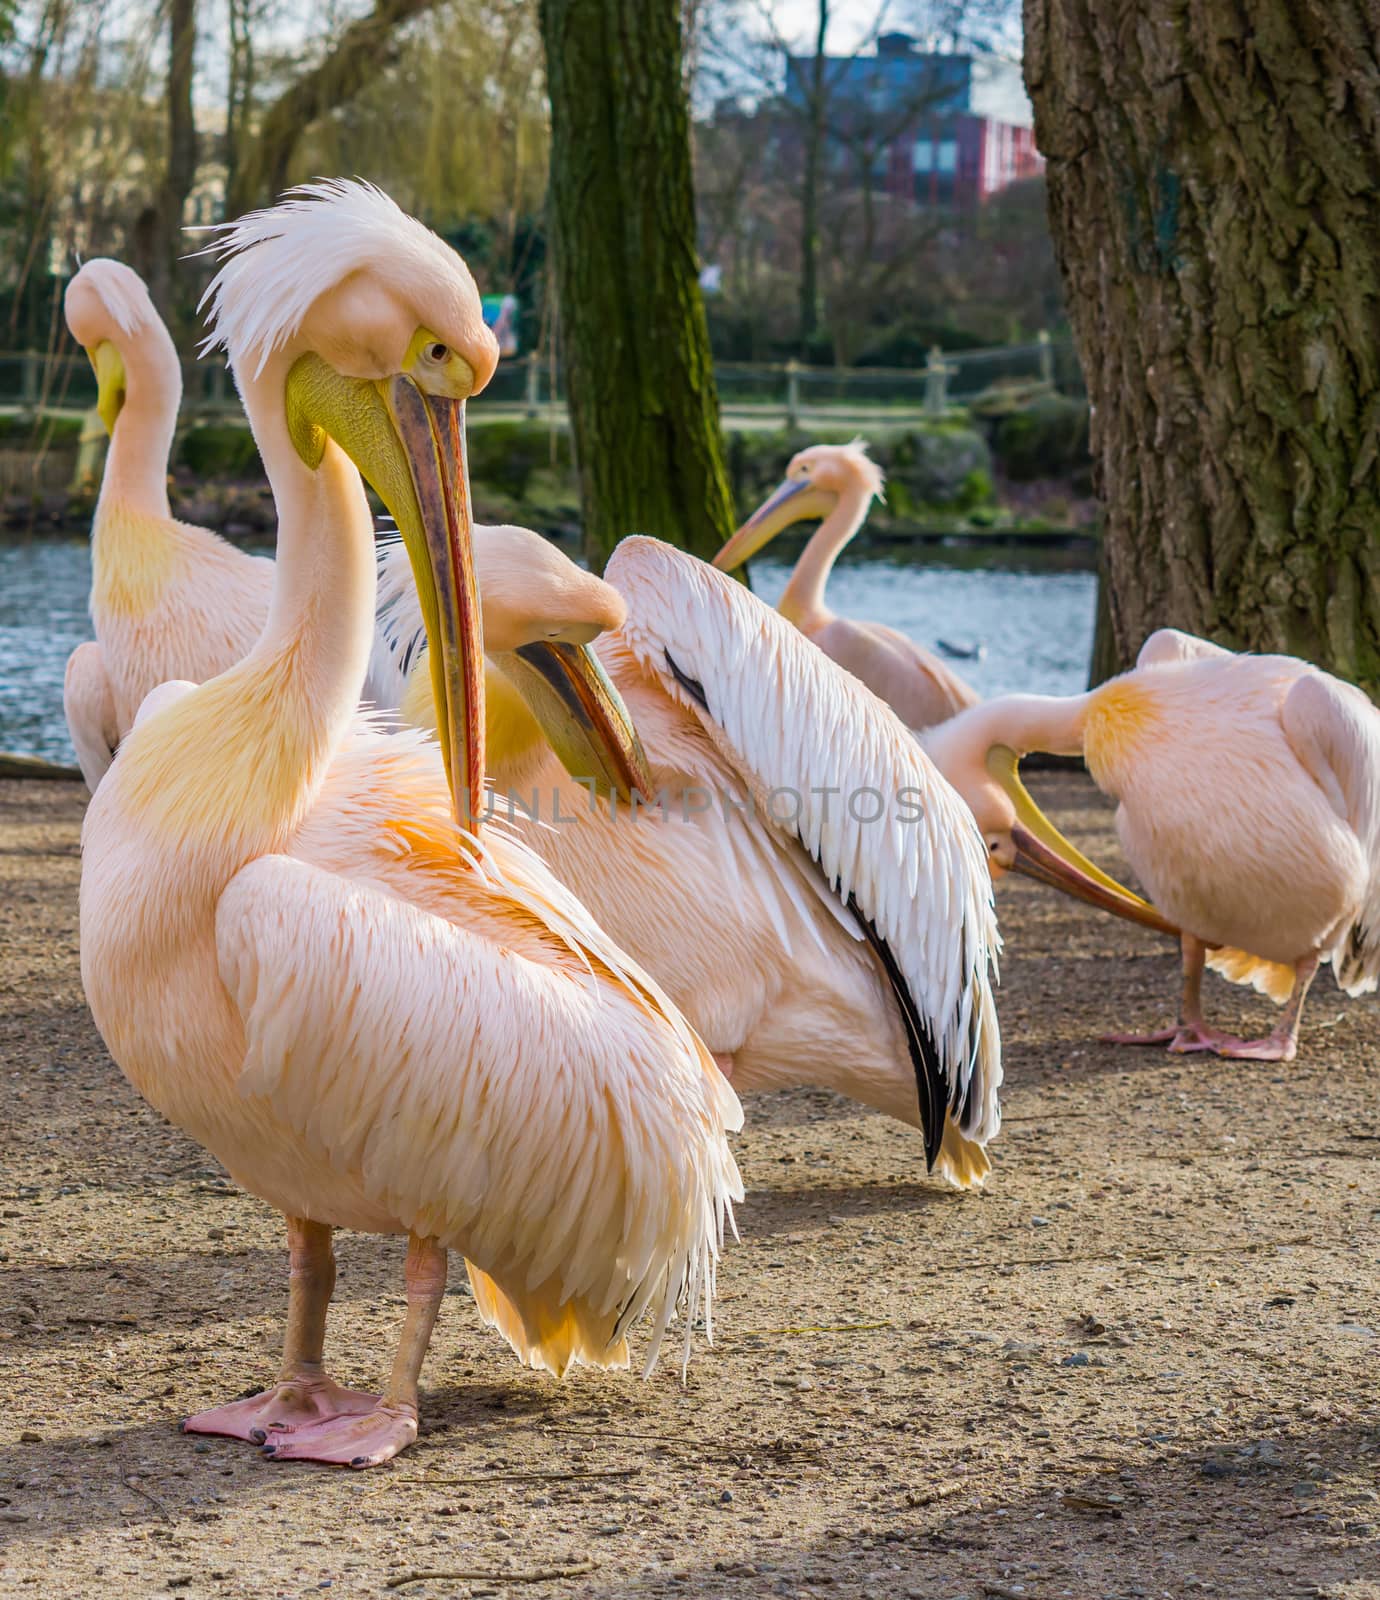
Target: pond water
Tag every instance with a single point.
(1031, 608)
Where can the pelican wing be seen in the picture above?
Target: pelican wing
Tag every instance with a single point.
(828, 763)
(1334, 730)
(920, 688)
(512, 1086)
(399, 632)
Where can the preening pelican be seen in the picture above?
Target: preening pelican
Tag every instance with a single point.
(838, 482)
(810, 892)
(168, 600)
(1249, 806)
(294, 950)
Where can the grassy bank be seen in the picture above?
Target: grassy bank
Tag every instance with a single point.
(1024, 473)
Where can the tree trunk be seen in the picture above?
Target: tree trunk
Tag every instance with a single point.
(1213, 167)
(640, 380)
(809, 188)
(180, 175)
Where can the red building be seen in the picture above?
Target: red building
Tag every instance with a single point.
(942, 129)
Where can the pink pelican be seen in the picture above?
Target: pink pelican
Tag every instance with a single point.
(838, 482)
(168, 600)
(851, 938)
(372, 1014)
(1248, 792)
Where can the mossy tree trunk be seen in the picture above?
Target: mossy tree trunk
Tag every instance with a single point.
(639, 377)
(1213, 172)
(179, 177)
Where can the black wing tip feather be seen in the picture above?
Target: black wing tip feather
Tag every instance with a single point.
(692, 686)
(930, 1079)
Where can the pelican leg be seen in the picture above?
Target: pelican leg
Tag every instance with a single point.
(303, 1394)
(1282, 1043)
(390, 1424)
(1190, 1033)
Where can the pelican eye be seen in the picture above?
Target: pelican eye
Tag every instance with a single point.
(439, 353)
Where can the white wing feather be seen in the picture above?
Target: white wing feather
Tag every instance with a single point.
(399, 632)
(801, 731)
(554, 1119)
(1334, 730)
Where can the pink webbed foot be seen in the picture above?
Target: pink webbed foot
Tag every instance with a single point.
(357, 1441)
(1163, 1036)
(1184, 1039)
(297, 1403)
(1274, 1048)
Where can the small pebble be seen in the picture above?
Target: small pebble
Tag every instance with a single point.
(1039, 1222)
(1079, 1358)
(30, 1437)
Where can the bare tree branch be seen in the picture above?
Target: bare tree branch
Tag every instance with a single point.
(365, 49)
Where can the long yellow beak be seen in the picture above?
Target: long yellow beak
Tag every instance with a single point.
(1043, 853)
(431, 429)
(410, 445)
(794, 500)
(582, 716)
(109, 367)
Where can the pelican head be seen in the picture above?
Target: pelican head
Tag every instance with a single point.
(540, 613)
(374, 327)
(816, 480)
(979, 753)
(109, 312)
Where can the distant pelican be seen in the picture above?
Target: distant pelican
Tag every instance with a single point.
(1249, 806)
(838, 482)
(168, 600)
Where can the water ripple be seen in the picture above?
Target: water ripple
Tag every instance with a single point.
(1033, 613)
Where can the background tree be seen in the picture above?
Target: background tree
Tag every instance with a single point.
(643, 408)
(1212, 178)
(179, 174)
(360, 53)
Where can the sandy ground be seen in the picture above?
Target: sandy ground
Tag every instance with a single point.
(1143, 1363)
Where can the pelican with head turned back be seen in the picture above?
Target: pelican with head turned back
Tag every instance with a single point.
(838, 482)
(849, 941)
(1265, 886)
(297, 944)
(168, 600)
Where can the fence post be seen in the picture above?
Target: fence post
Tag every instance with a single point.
(533, 392)
(28, 390)
(936, 383)
(1046, 358)
(792, 394)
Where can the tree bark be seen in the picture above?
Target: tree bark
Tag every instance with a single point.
(180, 174)
(639, 376)
(815, 124)
(364, 50)
(1213, 166)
